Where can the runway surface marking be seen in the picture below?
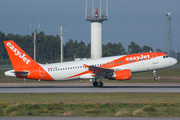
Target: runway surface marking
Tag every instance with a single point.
(89, 89)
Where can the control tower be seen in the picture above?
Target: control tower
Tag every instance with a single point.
(96, 29)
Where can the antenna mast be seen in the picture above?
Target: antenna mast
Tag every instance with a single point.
(35, 40)
(34, 44)
(61, 33)
(168, 33)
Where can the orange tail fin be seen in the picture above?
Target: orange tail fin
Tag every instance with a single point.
(18, 57)
(24, 66)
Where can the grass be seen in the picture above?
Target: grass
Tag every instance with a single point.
(13, 111)
(170, 75)
(88, 109)
(90, 104)
(89, 97)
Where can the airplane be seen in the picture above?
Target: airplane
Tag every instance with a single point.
(113, 68)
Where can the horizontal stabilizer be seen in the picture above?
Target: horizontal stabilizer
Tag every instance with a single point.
(13, 73)
(23, 73)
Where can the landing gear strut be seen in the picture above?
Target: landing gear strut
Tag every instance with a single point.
(98, 84)
(155, 77)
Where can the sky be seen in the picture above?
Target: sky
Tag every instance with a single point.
(140, 21)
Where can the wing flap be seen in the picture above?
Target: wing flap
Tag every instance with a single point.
(99, 70)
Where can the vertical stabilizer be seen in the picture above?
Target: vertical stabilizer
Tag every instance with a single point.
(24, 66)
(18, 57)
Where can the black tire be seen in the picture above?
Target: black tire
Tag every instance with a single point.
(156, 78)
(95, 83)
(100, 84)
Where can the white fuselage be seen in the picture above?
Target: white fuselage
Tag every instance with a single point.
(62, 71)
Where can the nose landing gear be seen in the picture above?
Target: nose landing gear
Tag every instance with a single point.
(155, 77)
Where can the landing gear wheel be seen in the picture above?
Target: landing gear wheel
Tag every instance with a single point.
(95, 83)
(156, 78)
(100, 84)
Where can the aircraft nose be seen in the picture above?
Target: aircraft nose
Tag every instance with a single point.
(174, 61)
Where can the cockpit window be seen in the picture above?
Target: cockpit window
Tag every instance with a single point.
(166, 56)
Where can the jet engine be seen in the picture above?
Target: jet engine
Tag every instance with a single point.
(121, 75)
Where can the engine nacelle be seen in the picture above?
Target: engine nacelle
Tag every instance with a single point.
(121, 75)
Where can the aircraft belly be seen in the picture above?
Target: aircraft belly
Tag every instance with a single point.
(70, 74)
(86, 76)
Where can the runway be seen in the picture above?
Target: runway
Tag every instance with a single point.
(88, 88)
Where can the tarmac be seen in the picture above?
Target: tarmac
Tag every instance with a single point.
(88, 88)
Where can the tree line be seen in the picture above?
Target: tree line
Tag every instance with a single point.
(48, 48)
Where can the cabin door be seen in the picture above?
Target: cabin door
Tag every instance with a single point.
(41, 72)
(155, 59)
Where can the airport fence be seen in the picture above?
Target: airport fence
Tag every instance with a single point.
(5, 67)
(176, 66)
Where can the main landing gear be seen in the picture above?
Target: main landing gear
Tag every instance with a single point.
(155, 77)
(97, 84)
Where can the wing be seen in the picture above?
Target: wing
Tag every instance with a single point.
(99, 71)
